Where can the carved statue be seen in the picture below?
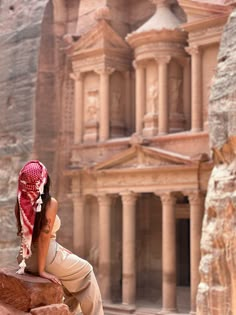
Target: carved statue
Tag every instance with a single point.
(217, 289)
(153, 97)
(92, 106)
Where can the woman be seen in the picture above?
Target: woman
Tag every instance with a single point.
(37, 221)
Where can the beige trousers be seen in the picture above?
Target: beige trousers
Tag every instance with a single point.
(76, 276)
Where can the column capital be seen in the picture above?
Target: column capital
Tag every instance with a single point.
(104, 199)
(76, 76)
(139, 64)
(195, 197)
(104, 70)
(167, 197)
(163, 60)
(128, 197)
(193, 50)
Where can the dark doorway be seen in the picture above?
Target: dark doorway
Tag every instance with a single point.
(183, 252)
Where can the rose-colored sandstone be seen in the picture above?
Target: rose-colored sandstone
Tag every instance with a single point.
(6, 309)
(217, 289)
(53, 309)
(25, 292)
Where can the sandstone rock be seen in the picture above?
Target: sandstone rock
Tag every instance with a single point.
(20, 37)
(53, 309)
(217, 289)
(25, 292)
(6, 309)
(222, 110)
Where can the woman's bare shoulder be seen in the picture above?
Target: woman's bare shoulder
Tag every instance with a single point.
(52, 205)
(53, 201)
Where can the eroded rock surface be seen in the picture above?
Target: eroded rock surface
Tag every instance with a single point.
(6, 309)
(26, 292)
(20, 36)
(59, 309)
(217, 289)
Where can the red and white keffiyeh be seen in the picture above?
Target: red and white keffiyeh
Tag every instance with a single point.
(31, 181)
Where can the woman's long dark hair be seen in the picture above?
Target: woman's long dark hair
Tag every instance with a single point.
(40, 217)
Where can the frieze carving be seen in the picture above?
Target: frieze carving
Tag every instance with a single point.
(143, 179)
(89, 64)
(152, 50)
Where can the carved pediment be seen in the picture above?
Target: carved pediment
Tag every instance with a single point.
(143, 157)
(101, 37)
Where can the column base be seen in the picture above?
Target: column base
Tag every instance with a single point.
(196, 130)
(192, 312)
(162, 133)
(118, 309)
(168, 311)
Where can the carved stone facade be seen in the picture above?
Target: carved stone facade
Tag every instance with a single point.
(123, 127)
(150, 160)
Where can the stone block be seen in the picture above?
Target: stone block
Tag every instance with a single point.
(25, 292)
(6, 309)
(53, 309)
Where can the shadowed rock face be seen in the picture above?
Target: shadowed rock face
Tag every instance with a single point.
(20, 35)
(217, 289)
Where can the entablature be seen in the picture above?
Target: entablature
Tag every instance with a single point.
(206, 31)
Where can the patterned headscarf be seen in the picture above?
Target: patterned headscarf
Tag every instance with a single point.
(31, 181)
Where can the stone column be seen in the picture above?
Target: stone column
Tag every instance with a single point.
(128, 248)
(140, 96)
(78, 106)
(168, 253)
(196, 88)
(78, 224)
(196, 201)
(104, 202)
(163, 119)
(104, 122)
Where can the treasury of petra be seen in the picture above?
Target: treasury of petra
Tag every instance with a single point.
(129, 104)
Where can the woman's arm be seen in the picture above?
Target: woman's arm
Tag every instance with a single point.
(44, 240)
